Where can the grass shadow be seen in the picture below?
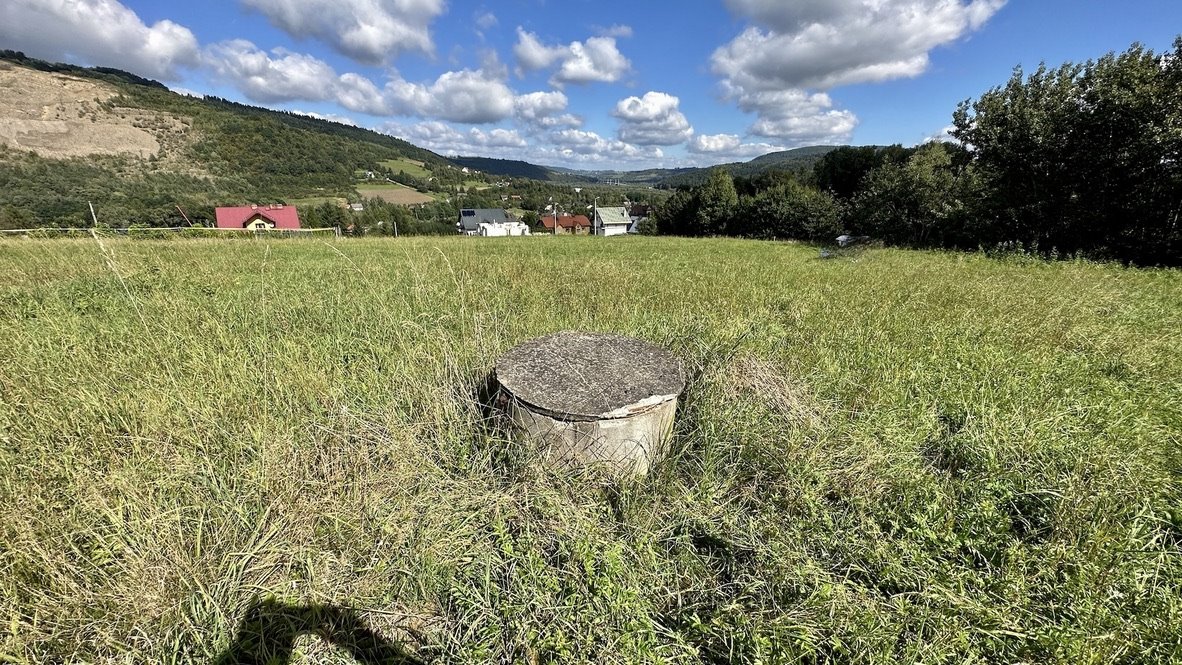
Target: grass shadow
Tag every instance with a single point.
(268, 634)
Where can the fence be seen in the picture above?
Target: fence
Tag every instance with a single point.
(148, 232)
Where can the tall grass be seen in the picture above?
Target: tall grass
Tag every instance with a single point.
(906, 457)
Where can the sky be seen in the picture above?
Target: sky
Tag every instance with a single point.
(595, 84)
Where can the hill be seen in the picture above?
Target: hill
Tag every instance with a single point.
(796, 159)
(70, 136)
(789, 160)
(514, 168)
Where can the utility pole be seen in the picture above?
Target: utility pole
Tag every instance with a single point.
(92, 215)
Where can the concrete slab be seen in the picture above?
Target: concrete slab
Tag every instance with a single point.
(593, 397)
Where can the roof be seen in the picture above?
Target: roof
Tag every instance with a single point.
(639, 210)
(612, 216)
(472, 218)
(566, 221)
(237, 217)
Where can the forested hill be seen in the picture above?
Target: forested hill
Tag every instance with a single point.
(512, 168)
(797, 159)
(70, 136)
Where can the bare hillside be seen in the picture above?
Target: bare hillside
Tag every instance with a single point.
(61, 116)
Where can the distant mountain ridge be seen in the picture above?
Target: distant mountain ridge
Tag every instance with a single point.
(791, 160)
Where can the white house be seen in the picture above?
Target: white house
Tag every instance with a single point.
(611, 221)
(502, 230)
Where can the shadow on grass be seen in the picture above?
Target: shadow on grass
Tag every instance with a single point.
(268, 633)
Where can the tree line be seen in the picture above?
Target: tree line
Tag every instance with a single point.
(1083, 159)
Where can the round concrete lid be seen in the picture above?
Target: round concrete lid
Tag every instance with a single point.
(580, 375)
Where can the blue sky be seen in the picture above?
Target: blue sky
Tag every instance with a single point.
(595, 84)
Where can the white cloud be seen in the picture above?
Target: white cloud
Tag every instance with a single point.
(331, 117)
(798, 47)
(618, 30)
(652, 120)
(99, 32)
(357, 93)
(186, 92)
(728, 146)
(369, 31)
(945, 134)
(464, 96)
(821, 45)
(796, 116)
(496, 138)
(545, 110)
(532, 54)
(446, 139)
(285, 77)
(485, 21)
(586, 146)
(280, 76)
(597, 60)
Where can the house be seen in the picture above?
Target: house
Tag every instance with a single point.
(513, 228)
(258, 218)
(567, 223)
(637, 212)
(489, 222)
(611, 221)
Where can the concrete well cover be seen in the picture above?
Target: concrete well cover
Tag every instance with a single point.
(588, 376)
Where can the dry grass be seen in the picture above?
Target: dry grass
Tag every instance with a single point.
(394, 193)
(210, 449)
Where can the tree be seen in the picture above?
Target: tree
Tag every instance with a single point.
(1083, 158)
(716, 203)
(787, 210)
(921, 203)
(842, 170)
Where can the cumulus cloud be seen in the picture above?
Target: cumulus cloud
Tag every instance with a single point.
(331, 117)
(798, 47)
(444, 138)
(283, 76)
(100, 32)
(596, 60)
(279, 76)
(464, 96)
(728, 146)
(796, 115)
(617, 30)
(545, 110)
(532, 54)
(485, 20)
(821, 45)
(589, 147)
(653, 119)
(369, 31)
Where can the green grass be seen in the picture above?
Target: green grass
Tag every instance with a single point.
(313, 201)
(410, 166)
(395, 193)
(906, 457)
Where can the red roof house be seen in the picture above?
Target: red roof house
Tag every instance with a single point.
(576, 224)
(256, 217)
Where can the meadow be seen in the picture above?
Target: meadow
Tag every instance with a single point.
(215, 450)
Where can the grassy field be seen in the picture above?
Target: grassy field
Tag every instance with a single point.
(216, 450)
(410, 166)
(394, 193)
